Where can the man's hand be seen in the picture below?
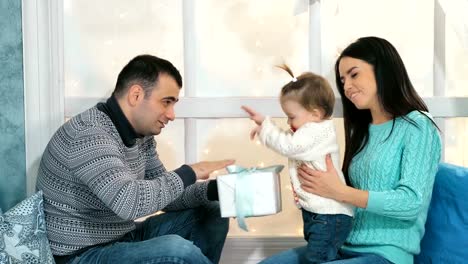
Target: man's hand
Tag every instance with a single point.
(205, 168)
(257, 117)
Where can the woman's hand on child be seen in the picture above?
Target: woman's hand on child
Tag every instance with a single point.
(255, 116)
(325, 184)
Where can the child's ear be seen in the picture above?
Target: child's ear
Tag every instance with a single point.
(318, 113)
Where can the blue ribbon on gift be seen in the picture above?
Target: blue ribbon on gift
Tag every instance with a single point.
(244, 190)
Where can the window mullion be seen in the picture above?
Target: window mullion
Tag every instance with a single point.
(439, 69)
(190, 64)
(315, 37)
(43, 78)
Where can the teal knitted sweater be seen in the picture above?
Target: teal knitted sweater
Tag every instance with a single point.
(398, 171)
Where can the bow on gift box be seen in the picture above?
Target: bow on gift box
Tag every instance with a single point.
(244, 190)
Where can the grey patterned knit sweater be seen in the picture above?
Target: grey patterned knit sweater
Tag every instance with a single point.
(95, 186)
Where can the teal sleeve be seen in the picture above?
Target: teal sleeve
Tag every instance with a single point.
(376, 201)
(420, 157)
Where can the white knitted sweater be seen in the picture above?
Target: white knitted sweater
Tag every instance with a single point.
(309, 144)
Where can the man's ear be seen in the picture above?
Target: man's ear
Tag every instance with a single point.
(135, 94)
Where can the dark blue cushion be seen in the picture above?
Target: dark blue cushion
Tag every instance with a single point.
(446, 236)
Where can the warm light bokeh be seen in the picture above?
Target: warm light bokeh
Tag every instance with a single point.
(237, 44)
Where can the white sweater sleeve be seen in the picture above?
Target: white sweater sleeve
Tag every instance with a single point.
(292, 145)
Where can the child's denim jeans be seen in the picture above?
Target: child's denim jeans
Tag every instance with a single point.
(325, 234)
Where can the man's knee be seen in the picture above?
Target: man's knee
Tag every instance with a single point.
(175, 246)
(213, 212)
(213, 208)
(177, 243)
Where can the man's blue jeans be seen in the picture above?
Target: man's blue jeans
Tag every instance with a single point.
(293, 256)
(188, 236)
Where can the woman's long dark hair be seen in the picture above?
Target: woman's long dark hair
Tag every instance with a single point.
(394, 89)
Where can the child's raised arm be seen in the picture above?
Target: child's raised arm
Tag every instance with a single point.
(255, 116)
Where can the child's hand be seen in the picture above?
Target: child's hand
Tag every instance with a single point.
(254, 132)
(257, 117)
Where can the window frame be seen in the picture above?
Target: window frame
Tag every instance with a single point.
(46, 107)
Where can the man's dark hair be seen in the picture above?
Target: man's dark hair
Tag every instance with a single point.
(144, 70)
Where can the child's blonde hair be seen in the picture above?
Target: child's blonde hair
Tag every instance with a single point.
(310, 91)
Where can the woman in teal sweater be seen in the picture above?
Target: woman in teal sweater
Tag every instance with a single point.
(392, 152)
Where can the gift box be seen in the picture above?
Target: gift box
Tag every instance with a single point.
(250, 192)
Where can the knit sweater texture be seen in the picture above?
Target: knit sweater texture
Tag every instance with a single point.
(309, 144)
(398, 169)
(95, 186)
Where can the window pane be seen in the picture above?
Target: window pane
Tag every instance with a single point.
(239, 43)
(100, 37)
(229, 138)
(456, 143)
(408, 25)
(456, 64)
(170, 145)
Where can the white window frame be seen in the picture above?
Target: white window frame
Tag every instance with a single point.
(43, 78)
(43, 50)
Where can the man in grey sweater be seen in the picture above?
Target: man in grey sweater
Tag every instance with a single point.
(100, 172)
